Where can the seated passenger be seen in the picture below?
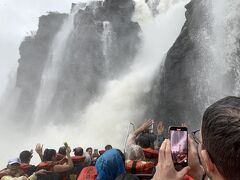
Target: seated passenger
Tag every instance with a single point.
(89, 150)
(88, 155)
(25, 158)
(110, 165)
(61, 154)
(133, 148)
(78, 162)
(78, 158)
(49, 161)
(13, 171)
(78, 151)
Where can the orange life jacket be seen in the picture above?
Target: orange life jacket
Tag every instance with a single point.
(47, 165)
(150, 153)
(78, 159)
(143, 167)
(88, 173)
(24, 167)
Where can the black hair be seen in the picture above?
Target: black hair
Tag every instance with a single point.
(78, 151)
(25, 156)
(62, 150)
(89, 148)
(49, 154)
(146, 140)
(107, 147)
(220, 136)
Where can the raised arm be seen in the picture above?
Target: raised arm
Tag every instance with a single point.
(64, 167)
(143, 127)
(39, 150)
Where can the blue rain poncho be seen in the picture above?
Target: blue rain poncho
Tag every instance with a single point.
(110, 165)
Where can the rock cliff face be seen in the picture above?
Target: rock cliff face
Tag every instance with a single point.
(33, 56)
(174, 94)
(101, 46)
(104, 41)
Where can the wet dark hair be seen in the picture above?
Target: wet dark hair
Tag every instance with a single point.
(49, 154)
(107, 147)
(78, 151)
(146, 140)
(89, 148)
(25, 156)
(62, 150)
(220, 136)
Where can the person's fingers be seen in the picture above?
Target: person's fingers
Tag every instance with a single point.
(183, 172)
(168, 154)
(191, 146)
(162, 149)
(149, 122)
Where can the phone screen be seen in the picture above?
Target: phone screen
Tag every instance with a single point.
(179, 146)
(95, 151)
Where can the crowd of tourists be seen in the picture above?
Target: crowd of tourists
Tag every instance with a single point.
(213, 153)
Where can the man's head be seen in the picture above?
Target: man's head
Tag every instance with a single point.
(78, 151)
(108, 147)
(89, 150)
(145, 140)
(49, 155)
(14, 167)
(62, 150)
(25, 156)
(221, 138)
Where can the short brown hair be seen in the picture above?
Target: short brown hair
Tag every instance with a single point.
(221, 136)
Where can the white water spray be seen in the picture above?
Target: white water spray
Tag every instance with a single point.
(107, 43)
(106, 119)
(51, 72)
(221, 41)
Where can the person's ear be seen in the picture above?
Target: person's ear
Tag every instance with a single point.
(207, 161)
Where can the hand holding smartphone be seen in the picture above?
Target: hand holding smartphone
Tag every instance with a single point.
(179, 146)
(65, 144)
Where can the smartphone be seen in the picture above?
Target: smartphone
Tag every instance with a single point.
(179, 146)
(95, 151)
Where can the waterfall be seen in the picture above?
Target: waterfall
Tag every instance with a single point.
(219, 48)
(106, 117)
(51, 72)
(107, 42)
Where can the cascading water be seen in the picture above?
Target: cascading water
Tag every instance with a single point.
(106, 117)
(105, 120)
(107, 42)
(230, 41)
(53, 66)
(219, 75)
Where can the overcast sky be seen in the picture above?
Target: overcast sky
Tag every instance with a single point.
(17, 19)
